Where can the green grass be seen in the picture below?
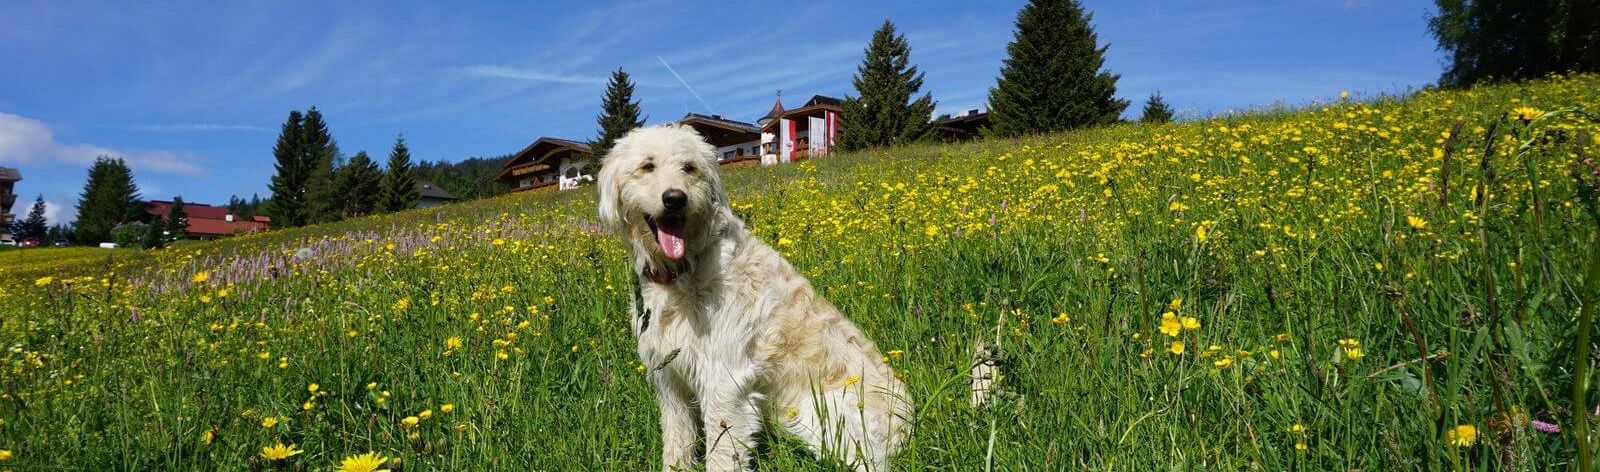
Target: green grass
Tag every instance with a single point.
(1282, 233)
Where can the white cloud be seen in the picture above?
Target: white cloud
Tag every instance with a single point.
(53, 212)
(529, 74)
(25, 140)
(179, 127)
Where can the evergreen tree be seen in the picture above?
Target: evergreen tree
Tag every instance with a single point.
(399, 190)
(887, 112)
(1054, 78)
(109, 198)
(1156, 110)
(177, 226)
(619, 113)
(1516, 39)
(35, 225)
(289, 184)
(317, 154)
(60, 232)
(359, 183)
(154, 234)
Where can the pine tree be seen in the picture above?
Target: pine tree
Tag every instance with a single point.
(399, 190)
(109, 198)
(154, 235)
(1054, 78)
(360, 181)
(177, 226)
(289, 184)
(1489, 40)
(619, 113)
(1156, 110)
(887, 112)
(35, 226)
(317, 155)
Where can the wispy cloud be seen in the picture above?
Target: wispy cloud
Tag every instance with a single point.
(25, 140)
(186, 127)
(517, 73)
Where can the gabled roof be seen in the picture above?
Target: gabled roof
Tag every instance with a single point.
(823, 100)
(7, 173)
(427, 189)
(719, 121)
(539, 150)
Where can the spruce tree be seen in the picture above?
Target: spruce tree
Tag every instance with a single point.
(317, 155)
(1054, 78)
(887, 111)
(154, 237)
(109, 198)
(1489, 40)
(1156, 110)
(177, 226)
(35, 225)
(399, 190)
(619, 113)
(288, 186)
(359, 183)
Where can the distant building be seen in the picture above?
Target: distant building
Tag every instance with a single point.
(961, 127)
(805, 132)
(736, 141)
(208, 221)
(550, 162)
(8, 197)
(432, 195)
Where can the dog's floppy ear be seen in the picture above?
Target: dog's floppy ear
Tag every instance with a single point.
(609, 183)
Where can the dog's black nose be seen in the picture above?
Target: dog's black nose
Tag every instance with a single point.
(674, 199)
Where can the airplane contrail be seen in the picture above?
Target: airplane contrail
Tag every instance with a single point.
(686, 85)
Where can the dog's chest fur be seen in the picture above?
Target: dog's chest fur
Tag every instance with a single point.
(693, 329)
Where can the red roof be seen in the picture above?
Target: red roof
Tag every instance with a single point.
(208, 220)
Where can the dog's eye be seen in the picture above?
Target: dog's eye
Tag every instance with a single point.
(648, 167)
(688, 168)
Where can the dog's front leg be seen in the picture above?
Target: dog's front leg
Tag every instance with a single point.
(679, 423)
(731, 424)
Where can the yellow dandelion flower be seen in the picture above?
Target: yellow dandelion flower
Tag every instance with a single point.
(409, 421)
(313, 388)
(1175, 304)
(1416, 223)
(1200, 233)
(200, 277)
(43, 281)
(6, 454)
(446, 408)
(425, 414)
(1352, 348)
(852, 380)
(270, 421)
(933, 230)
(369, 462)
(1462, 435)
(278, 452)
(453, 342)
(402, 303)
(1526, 114)
(1223, 363)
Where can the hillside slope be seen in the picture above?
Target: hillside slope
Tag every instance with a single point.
(1244, 292)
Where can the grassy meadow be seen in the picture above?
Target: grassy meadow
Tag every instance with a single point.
(1384, 284)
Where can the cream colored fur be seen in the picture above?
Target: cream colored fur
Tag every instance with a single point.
(739, 335)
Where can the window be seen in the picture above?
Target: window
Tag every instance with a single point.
(727, 155)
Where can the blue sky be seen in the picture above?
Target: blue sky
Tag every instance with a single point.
(192, 94)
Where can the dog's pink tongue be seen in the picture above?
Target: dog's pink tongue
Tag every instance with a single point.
(670, 236)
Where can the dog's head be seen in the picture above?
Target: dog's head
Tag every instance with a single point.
(660, 190)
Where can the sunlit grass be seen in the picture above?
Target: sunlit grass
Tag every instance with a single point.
(1322, 268)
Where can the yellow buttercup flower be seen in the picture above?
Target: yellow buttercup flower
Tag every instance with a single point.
(6, 454)
(409, 421)
(200, 277)
(1190, 323)
(1176, 348)
(1170, 325)
(1061, 319)
(446, 408)
(278, 452)
(1352, 348)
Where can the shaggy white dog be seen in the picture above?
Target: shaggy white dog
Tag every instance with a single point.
(728, 330)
